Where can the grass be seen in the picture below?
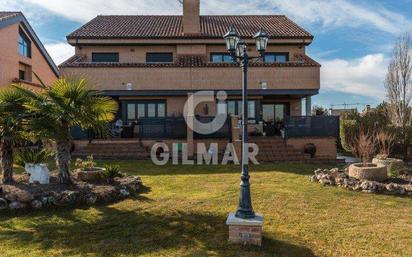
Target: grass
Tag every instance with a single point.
(184, 213)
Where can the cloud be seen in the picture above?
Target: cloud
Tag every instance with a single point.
(59, 51)
(363, 76)
(343, 13)
(326, 13)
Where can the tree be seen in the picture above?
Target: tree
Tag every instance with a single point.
(66, 104)
(11, 122)
(398, 85)
(357, 131)
(319, 111)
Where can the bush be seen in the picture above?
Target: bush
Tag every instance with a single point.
(86, 165)
(35, 156)
(111, 172)
(376, 128)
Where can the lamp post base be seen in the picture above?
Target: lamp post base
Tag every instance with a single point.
(245, 231)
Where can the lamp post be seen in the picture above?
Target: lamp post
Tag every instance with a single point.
(238, 50)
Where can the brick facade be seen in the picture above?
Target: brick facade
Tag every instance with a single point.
(11, 61)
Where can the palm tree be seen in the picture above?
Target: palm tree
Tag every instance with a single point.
(11, 122)
(66, 104)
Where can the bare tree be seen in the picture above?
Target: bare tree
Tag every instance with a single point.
(399, 88)
(385, 141)
(366, 146)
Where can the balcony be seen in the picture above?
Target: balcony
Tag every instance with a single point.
(196, 73)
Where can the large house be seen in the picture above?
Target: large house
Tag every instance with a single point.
(151, 64)
(22, 54)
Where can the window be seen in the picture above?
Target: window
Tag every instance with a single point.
(151, 110)
(161, 110)
(105, 57)
(141, 111)
(159, 57)
(276, 57)
(24, 45)
(234, 107)
(22, 75)
(221, 108)
(221, 58)
(131, 111)
(138, 110)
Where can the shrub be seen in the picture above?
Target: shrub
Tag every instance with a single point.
(86, 165)
(111, 172)
(35, 156)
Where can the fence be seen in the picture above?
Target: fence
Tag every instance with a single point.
(223, 132)
(165, 128)
(312, 126)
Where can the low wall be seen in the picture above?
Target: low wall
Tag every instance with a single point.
(325, 146)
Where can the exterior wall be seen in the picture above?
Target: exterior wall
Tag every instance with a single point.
(127, 54)
(295, 107)
(198, 78)
(326, 147)
(9, 57)
(11, 61)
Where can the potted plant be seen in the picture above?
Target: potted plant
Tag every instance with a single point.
(385, 142)
(366, 170)
(310, 149)
(34, 162)
(87, 170)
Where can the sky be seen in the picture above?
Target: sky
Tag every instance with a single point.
(353, 39)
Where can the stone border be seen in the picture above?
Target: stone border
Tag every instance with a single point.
(21, 195)
(335, 177)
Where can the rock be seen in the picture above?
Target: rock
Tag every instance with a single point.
(124, 192)
(68, 198)
(314, 178)
(45, 200)
(17, 205)
(36, 204)
(51, 200)
(325, 181)
(11, 197)
(334, 171)
(318, 172)
(91, 199)
(365, 185)
(408, 188)
(133, 184)
(20, 196)
(3, 204)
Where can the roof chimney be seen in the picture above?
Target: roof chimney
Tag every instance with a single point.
(191, 17)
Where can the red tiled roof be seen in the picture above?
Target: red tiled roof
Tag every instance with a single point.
(185, 61)
(277, 26)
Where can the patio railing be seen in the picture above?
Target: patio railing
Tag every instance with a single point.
(164, 128)
(312, 126)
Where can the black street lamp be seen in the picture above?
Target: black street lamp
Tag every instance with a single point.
(238, 50)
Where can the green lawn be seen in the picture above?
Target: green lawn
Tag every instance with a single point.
(184, 213)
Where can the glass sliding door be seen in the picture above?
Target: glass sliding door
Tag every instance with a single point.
(135, 110)
(273, 116)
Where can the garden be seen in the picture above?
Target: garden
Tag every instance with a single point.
(183, 210)
(36, 126)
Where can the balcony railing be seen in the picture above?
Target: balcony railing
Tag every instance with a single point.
(312, 126)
